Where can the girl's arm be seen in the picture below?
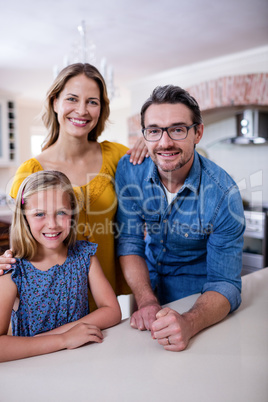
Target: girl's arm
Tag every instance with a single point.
(108, 312)
(15, 347)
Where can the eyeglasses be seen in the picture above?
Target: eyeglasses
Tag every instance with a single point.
(176, 133)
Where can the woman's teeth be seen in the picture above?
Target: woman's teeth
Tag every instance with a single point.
(78, 121)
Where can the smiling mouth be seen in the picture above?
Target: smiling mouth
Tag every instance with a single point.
(51, 235)
(78, 122)
(167, 154)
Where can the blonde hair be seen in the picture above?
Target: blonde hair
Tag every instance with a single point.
(23, 243)
(49, 116)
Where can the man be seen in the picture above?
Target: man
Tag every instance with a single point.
(181, 224)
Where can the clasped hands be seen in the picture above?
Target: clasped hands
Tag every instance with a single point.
(171, 329)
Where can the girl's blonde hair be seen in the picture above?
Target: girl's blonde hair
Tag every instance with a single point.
(49, 116)
(23, 243)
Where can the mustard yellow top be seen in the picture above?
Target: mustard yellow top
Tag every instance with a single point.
(97, 203)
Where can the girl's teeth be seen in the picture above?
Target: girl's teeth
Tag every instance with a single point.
(51, 235)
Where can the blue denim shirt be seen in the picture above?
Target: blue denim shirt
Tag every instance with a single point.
(192, 245)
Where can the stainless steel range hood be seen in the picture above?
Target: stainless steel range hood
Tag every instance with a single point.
(252, 128)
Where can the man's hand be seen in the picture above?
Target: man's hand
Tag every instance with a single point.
(143, 318)
(6, 260)
(136, 273)
(172, 330)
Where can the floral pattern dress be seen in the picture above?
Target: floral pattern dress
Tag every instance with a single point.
(49, 299)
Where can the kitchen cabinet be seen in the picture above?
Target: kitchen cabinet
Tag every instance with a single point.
(4, 236)
(6, 214)
(8, 136)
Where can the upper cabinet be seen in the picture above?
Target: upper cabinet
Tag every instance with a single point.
(8, 137)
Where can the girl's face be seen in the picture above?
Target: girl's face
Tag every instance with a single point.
(78, 106)
(49, 216)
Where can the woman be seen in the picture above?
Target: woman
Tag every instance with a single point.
(76, 110)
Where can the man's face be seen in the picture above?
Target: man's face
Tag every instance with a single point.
(168, 154)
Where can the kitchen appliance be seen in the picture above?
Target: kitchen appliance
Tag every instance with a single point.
(251, 128)
(255, 254)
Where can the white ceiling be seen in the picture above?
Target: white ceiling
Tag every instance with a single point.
(138, 37)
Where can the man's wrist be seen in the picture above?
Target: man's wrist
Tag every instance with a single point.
(189, 320)
(149, 300)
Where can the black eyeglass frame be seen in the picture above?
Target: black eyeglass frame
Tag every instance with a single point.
(166, 130)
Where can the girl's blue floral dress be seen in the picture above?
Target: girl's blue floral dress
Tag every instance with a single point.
(49, 299)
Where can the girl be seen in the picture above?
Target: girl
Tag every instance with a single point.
(51, 275)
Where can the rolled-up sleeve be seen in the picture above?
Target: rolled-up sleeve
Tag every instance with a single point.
(231, 292)
(224, 249)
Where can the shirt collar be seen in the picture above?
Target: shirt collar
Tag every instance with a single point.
(192, 181)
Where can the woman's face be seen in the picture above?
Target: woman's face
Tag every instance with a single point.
(78, 106)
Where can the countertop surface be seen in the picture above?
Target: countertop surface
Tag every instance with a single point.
(227, 362)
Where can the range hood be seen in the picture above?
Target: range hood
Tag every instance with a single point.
(252, 128)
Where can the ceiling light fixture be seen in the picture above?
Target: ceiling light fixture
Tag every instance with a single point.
(85, 52)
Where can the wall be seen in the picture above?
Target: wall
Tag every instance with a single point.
(243, 162)
(27, 116)
(248, 165)
(116, 129)
(252, 61)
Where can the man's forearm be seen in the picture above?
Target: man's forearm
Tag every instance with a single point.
(210, 308)
(136, 274)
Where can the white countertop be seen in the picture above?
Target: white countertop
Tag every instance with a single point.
(227, 362)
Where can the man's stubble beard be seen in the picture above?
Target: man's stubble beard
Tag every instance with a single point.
(184, 160)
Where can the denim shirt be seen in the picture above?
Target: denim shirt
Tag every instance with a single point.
(192, 245)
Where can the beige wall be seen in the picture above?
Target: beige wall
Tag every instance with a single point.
(248, 165)
(29, 116)
(116, 129)
(27, 113)
(241, 162)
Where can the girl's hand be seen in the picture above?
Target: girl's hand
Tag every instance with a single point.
(138, 152)
(81, 334)
(6, 260)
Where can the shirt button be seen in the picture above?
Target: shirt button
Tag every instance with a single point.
(159, 263)
(161, 241)
(186, 235)
(164, 221)
(164, 250)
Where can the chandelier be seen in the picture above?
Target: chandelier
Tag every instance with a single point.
(85, 52)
